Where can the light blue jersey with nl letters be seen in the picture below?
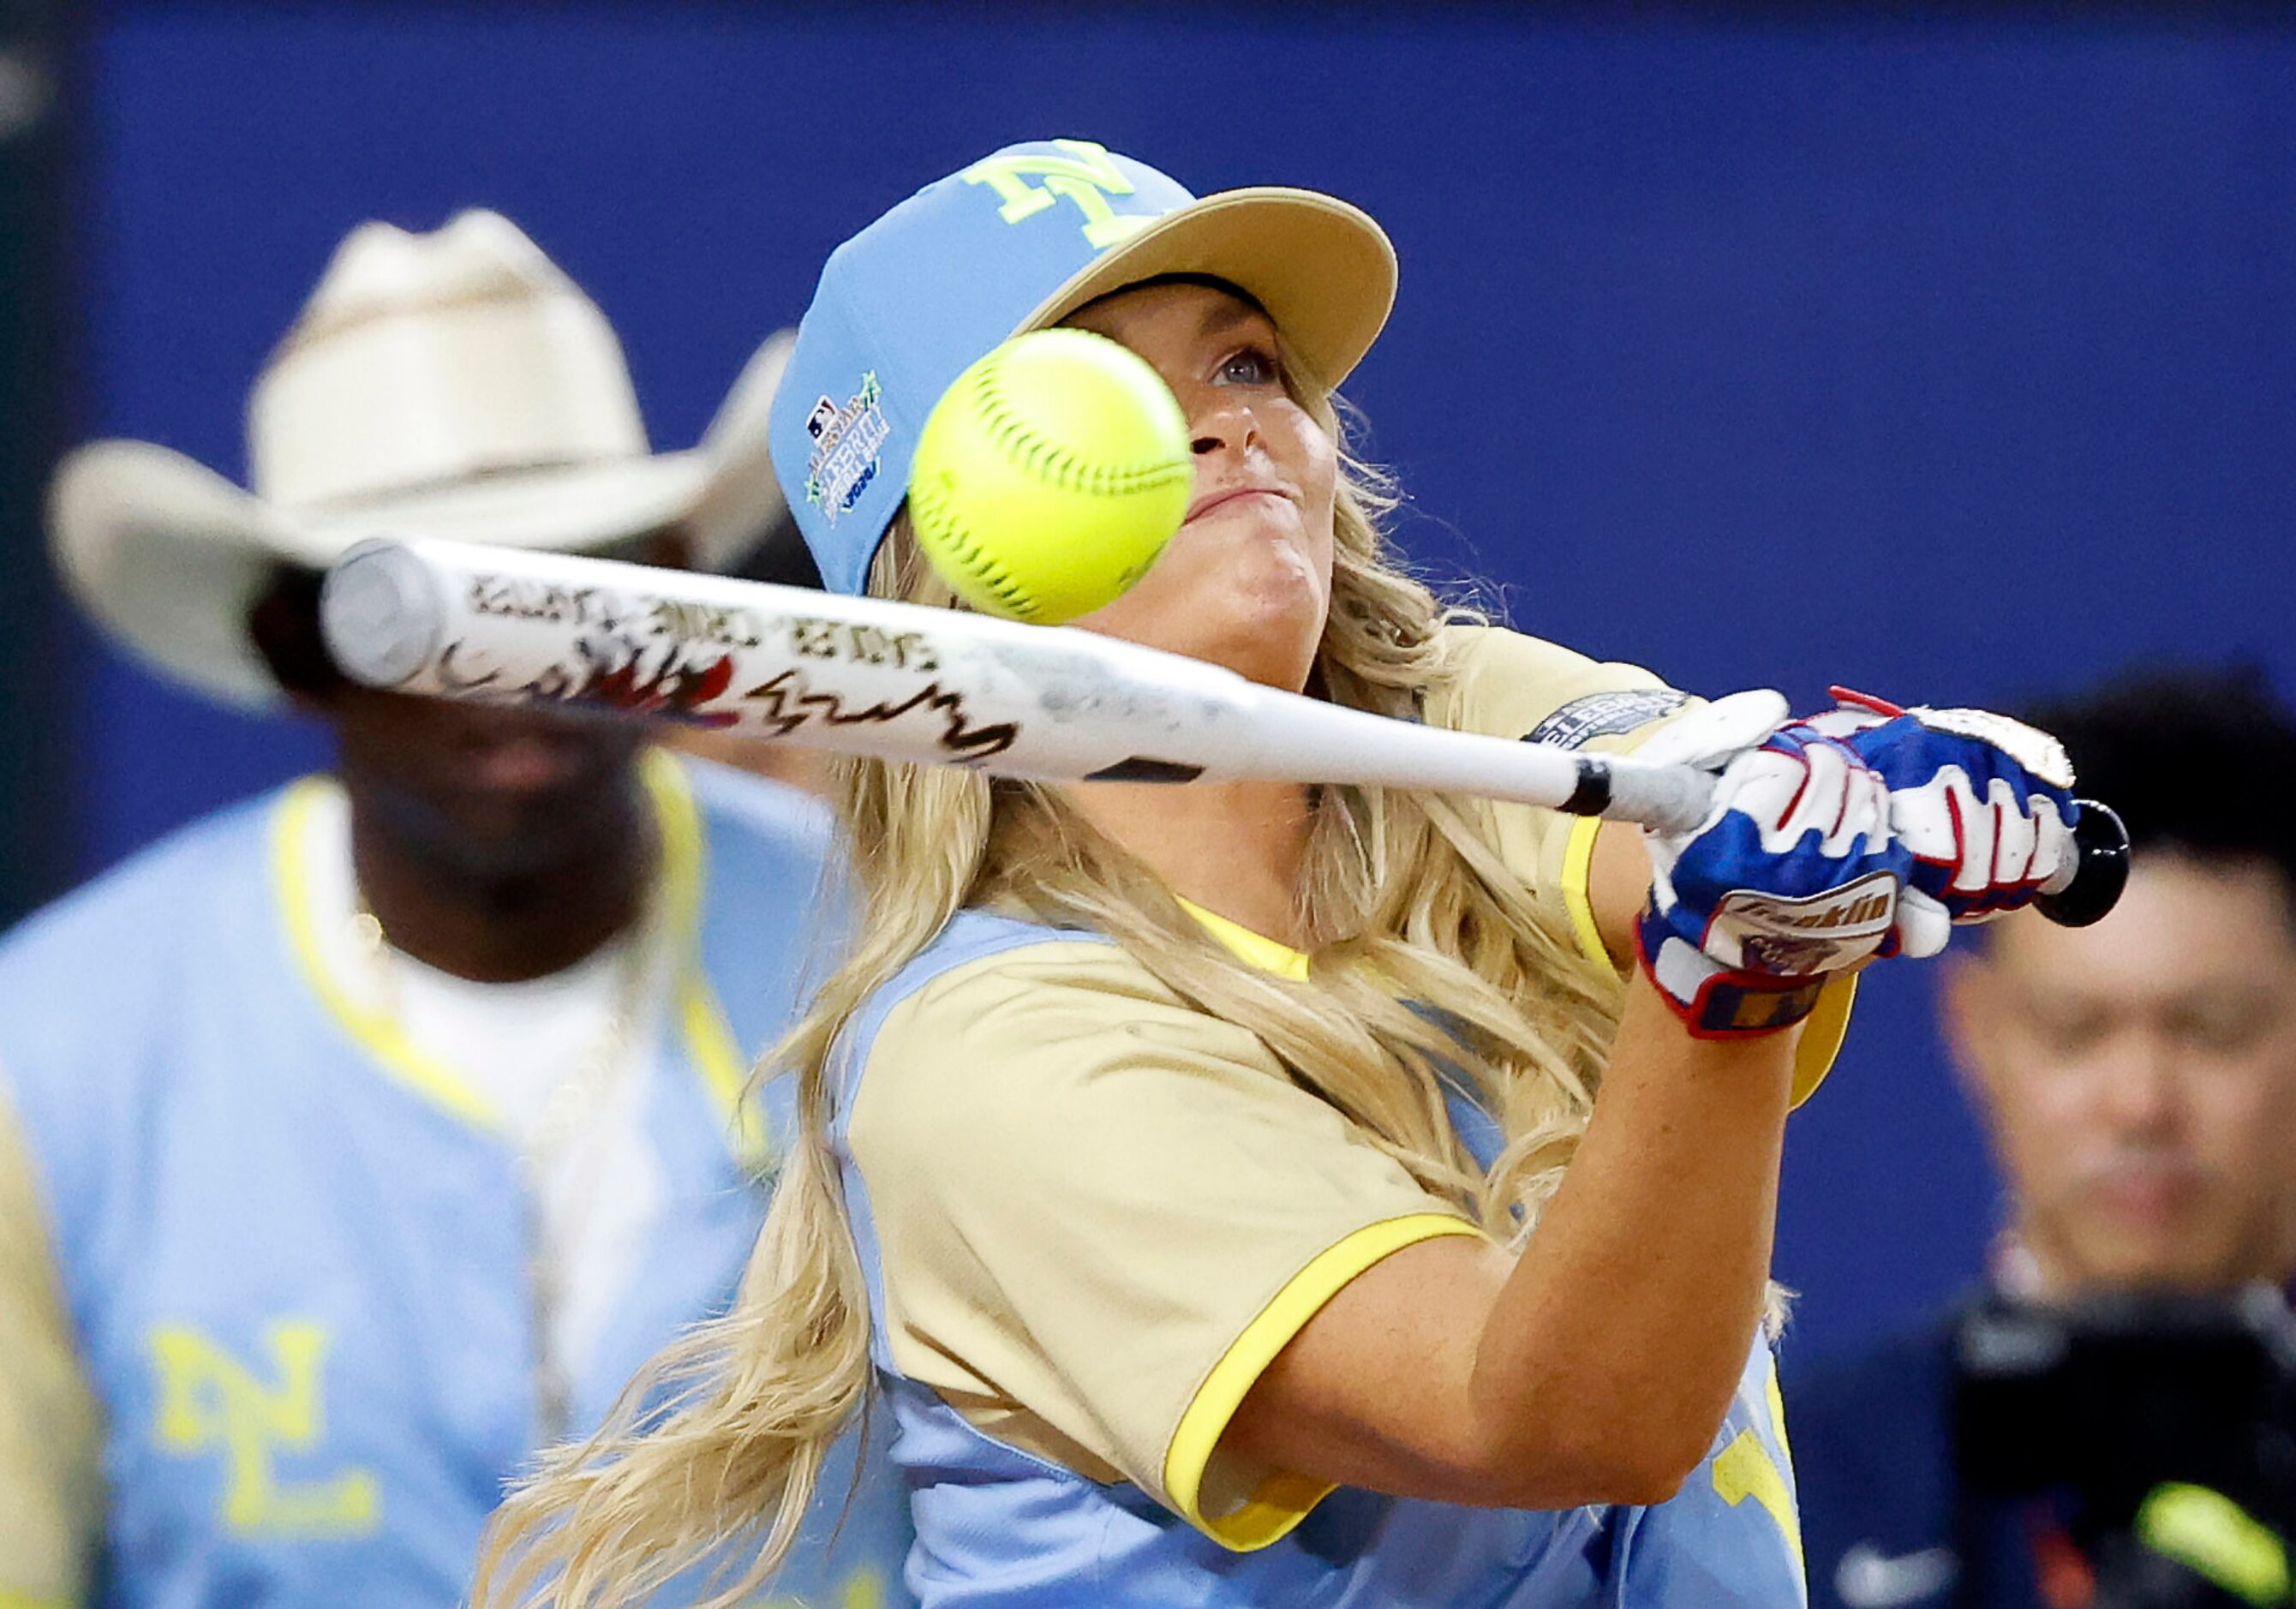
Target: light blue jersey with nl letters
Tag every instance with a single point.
(296, 1272)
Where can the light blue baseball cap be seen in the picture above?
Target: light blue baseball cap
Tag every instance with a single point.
(1015, 242)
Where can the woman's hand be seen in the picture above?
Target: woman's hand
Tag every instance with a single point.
(1982, 803)
(1793, 874)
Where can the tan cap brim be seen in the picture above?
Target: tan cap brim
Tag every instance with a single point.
(1324, 269)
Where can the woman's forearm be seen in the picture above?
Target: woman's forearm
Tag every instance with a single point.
(1619, 1334)
(1598, 1366)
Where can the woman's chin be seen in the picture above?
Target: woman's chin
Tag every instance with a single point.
(1285, 586)
(1257, 608)
(1267, 633)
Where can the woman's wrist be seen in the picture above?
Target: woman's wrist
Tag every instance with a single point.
(1655, 1049)
(1714, 1001)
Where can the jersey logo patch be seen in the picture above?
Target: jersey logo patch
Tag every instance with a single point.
(1604, 715)
(210, 1402)
(1745, 1469)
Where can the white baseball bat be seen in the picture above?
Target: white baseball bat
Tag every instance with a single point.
(867, 675)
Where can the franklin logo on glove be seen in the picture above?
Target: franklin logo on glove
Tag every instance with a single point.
(1797, 937)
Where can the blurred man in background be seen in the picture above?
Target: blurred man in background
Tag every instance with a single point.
(2137, 1082)
(356, 1141)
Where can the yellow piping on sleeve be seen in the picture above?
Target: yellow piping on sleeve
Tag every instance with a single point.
(1822, 1033)
(1282, 1500)
(1577, 898)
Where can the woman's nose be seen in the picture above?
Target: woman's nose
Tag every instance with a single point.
(1223, 426)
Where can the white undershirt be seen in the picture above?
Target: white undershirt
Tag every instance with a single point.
(600, 1187)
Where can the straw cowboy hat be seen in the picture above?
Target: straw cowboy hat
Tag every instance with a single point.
(454, 384)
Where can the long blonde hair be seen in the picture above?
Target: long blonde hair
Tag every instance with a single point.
(714, 1454)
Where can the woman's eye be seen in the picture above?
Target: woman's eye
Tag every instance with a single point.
(1249, 366)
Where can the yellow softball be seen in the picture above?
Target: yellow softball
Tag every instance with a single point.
(1050, 475)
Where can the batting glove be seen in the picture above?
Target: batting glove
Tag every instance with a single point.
(1983, 803)
(1792, 875)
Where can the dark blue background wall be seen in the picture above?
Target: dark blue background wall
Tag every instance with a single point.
(1951, 361)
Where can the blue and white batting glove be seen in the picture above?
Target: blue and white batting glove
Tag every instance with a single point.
(1984, 804)
(1792, 877)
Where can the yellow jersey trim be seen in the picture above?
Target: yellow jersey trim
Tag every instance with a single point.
(377, 1034)
(1778, 1399)
(1822, 1034)
(1578, 891)
(1282, 1500)
(1255, 950)
(724, 1073)
(709, 1039)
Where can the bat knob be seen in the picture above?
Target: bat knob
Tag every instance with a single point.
(380, 614)
(2099, 869)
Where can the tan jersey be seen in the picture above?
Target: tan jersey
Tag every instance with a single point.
(1097, 1213)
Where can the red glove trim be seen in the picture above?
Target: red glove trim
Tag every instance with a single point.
(1881, 707)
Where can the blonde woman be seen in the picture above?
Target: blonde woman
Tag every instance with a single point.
(1211, 1182)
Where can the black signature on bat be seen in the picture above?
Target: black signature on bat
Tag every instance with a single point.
(610, 678)
(788, 704)
(614, 678)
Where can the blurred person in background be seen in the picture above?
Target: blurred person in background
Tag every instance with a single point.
(2137, 1083)
(359, 1139)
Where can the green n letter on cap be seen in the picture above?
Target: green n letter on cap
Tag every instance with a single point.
(1086, 176)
